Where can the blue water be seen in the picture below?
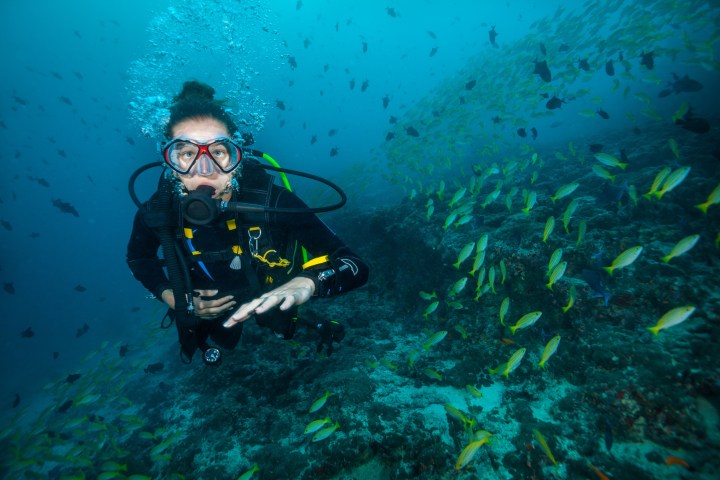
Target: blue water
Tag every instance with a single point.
(72, 72)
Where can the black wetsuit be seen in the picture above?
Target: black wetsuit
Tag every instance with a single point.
(269, 254)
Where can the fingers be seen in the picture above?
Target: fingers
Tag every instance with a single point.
(209, 309)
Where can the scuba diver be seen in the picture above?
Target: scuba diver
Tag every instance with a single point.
(235, 245)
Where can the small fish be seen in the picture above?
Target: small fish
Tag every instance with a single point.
(280, 104)
(80, 288)
(65, 207)
(648, 60)
(600, 475)
(549, 226)
(9, 287)
(569, 211)
(503, 272)
(504, 307)
(248, 474)
(334, 152)
(469, 85)
(672, 318)
(541, 68)
(554, 260)
(318, 404)
(549, 350)
(154, 367)
(16, 400)
(521, 132)
(662, 174)
(674, 148)
(571, 299)
(474, 391)
(316, 425)
(82, 330)
(434, 339)
(609, 160)
(468, 453)
(556, 274)
(603, 114)
(545, 446)
(325, 432)
(602, 173)
(477, 262)
(712, 199)
(624, 259)
(65, 406)
(464, 254)
(513, 362)
(431, 308)
(609, 68)
(493, 35)
(526, 321)
(555, 102)
(582, 228)
(73, 377)
(672, 460)
(457, 196)
(412, 132)
(430, 373)
(530, 203)
(427, 296)
(458, 286)
(564, 191)
(683, 246)
(674, 179)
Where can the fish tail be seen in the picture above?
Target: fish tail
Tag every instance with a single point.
(609, 270)
(659, 194)
(565, 309)
(456, 265)
(703, 207)
(666, 258)
(622, 166)
(542, 364)
(549, 285)
(512, 329)
(655, 330)
(612, 179)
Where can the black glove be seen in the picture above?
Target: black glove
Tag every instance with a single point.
(330, 332)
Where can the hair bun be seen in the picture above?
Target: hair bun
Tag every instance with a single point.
(194, 90)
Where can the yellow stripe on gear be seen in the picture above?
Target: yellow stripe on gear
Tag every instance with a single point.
(316, 261)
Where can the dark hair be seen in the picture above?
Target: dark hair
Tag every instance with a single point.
(197, 100)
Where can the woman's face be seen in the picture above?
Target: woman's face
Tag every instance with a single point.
(203, 131)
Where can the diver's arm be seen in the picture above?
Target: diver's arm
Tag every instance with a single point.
(335, 268)
(142, 258)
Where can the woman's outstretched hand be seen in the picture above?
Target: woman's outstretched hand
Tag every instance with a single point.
(295, 292)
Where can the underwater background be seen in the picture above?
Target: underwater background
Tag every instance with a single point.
(530, 182)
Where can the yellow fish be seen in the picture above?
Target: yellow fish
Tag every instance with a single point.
(526, 320)
(316, 425)
(556, 274)
(530, 203)
(325, 432)
(564, 191)
(464, 254)
(434, 339)
(248, 475)
(514, 362)
(549, 226)
(674, 147)
(673, 180)
(318, 404)
(610, 161)
(624, 259)
(681, 247)
(582, 228)
(458, 195)
(545, 446)
(468, 453)
(713, 199)
(554, 260)
(657, 182)
(572, 206)
(550, 349)
(602, 173)
(672, 318)
(504, 306)
(571, 300)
